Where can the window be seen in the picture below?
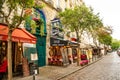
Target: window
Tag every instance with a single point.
(58, 3)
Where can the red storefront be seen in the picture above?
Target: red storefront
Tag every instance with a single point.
(19, 36)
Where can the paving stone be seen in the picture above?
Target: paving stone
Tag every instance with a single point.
(106, 69)
(57, 72)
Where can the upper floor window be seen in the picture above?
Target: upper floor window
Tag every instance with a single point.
(58, 3)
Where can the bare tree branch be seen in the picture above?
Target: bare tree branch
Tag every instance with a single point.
(10, 11)
(21, 16)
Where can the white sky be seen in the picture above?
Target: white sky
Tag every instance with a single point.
(109, 12)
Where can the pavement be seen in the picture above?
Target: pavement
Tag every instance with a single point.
(55, 72)
(108, 68)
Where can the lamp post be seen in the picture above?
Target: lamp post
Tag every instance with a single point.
(34, 57)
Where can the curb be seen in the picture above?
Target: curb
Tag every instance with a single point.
(78, 69)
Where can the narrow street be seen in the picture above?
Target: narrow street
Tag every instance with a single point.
(107, 68)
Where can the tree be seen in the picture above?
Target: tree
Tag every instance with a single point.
(105, 39)
(115, 44)
(71, 18)
(80, 19)
(95, 23)
(13, 14)
(104, 36)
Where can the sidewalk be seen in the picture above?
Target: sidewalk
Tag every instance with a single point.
(55, 72)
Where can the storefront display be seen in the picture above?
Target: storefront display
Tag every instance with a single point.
(58, 56)
(74, 54)
(84, 58)
(62, 52)
(55, 56)
(74, 46)
(58, 52)
(16, 56)
(19, 36)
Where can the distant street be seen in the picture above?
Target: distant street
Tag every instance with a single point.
(107, 68)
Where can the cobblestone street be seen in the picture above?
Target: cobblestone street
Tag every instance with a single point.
(107, 68)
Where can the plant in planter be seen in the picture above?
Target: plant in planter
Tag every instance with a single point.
(34, 23)
(39, 25)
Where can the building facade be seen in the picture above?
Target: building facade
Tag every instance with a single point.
(51, 9)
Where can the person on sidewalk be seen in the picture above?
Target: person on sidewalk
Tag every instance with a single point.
(3, 67)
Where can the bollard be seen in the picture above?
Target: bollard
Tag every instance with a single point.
(34, 76)
(34, 71)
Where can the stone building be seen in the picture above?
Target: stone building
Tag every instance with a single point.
(51, 9)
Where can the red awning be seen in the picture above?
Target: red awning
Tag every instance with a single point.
(18, 35)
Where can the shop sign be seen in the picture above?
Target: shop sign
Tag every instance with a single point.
(58, 42)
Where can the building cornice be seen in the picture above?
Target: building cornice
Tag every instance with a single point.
(51, 5)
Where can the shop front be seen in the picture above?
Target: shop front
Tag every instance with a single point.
(40, 32)
(58, 52)
(19, 36)
(74, 46)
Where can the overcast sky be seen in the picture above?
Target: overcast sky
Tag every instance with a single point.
(109, 12)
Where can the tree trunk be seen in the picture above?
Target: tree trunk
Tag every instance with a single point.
(78, 38)
(78, 57)
(9, 55)
(78, 49)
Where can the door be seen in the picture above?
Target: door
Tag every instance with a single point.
(41, 50)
